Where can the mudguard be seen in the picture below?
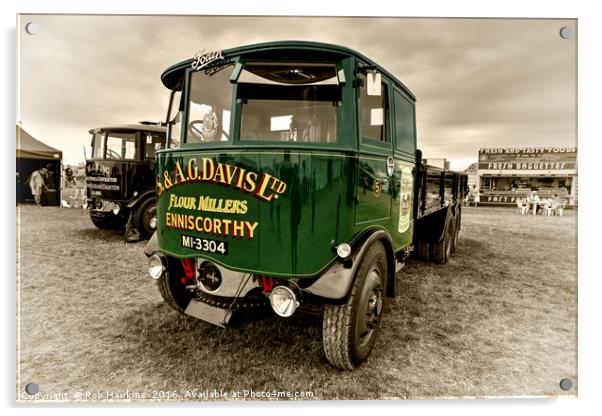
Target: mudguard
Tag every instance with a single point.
(152, 246)
(336, 281)
(140, 197)
(431, 227)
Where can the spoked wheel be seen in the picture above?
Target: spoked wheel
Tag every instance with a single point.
(349, 330)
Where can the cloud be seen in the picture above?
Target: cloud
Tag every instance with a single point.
(479, 82)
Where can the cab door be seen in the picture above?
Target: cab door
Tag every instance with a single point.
(375, 188)
(404, 127)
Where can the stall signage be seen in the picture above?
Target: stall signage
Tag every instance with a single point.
(528, 158)
(102, 183)
(508, 198)
(502, 198)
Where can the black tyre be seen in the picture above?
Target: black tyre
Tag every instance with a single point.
(172, 289)
(145, 218)
(349, 330)
(456, 234)
(107, 223)
(424, 250)
(441, 251)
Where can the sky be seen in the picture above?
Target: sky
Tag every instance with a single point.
(478, 82)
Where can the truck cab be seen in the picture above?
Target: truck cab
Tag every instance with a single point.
(120, 176)
(291, 182)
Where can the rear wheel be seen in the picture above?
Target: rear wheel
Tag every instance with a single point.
(441, 250)
(456, 233)
(349, 330)
(454, 240)
(423, 250)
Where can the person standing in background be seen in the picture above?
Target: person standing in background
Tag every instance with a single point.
(69, 178)
(48, 176)
(36, 183)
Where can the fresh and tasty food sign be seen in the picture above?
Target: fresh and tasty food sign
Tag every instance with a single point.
(189, 213)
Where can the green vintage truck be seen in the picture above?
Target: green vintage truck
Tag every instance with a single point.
(293, 181)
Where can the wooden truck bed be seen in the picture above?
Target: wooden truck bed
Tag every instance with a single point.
(438, 188)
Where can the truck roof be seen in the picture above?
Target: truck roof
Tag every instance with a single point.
(172, 76)
(130, 128)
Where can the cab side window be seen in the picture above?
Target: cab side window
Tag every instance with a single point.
(374, 112)
(152, 143)
(405, 128)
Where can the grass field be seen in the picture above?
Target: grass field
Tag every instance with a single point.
(500, 319)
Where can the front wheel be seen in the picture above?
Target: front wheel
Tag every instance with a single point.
(146, 218)
(349, 330)
(101, 223)
(107, 222)
(172, 289)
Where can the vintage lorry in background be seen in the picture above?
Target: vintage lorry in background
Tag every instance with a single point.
(120, 176)
(293, 181)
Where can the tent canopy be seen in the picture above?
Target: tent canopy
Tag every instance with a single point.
(30, 148)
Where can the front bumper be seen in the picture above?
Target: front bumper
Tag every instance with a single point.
(212, 314)
(102, 208)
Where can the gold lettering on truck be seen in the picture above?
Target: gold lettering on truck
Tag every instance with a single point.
(262, 186)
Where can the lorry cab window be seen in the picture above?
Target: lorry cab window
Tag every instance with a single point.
(209, 106)
(152, 143)
(374, 112)
(174, 120)
(405, 128)
(289, 102)
(98, 145)
(121, 146)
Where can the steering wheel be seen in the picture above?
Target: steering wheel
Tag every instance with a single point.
(111, 154)
(196, 128)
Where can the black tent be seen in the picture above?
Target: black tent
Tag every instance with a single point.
(32, 155)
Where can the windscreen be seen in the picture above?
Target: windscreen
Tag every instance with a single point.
(209, 106)
(174, 122)
(121, 146)
(98, 145)
(289, 102)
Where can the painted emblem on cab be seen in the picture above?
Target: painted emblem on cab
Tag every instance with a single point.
(203, 58)
(377, 187)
